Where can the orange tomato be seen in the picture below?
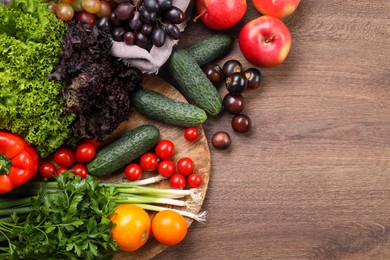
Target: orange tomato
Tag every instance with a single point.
(169, 227)
(132, 228)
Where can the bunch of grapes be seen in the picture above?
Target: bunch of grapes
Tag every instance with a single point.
(141, 22)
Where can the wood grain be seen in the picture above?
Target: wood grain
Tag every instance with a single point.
(311, 179)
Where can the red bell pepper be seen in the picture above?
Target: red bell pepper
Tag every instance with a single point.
(18, 161)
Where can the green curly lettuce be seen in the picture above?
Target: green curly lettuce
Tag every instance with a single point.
(31, 104)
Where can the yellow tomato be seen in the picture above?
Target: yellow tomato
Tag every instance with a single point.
(169, 227)
(132, 228)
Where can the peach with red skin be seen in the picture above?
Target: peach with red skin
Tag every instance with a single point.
(276, 8)
(220, 14)
(265, 41)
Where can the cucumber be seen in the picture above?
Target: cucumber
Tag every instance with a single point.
(192, 82)
(170, 111)
(122, 151)
(210, 49)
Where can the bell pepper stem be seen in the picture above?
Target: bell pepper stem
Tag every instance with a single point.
(5, 164)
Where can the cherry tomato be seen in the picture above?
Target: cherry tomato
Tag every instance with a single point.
(92, 141)
(169, 227)
(177, 181)
(191, 134)
(61, 170)
(195, 180)
(185, 166)
(133, 172)
(64, 157)
(132, 227)
(85, 152)
(149, 162)
(80, 170)
(47, 170)
(166, 168)
(165, 149)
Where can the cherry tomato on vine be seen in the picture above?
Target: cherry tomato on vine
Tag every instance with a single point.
(177, 181)
(169, 227)
(80, 170)
(195, 180)
(61, 170)
(165, 149)
(47, 170)
(64, 157)
(166, 168)
(133, 172)
(185, 166)
(191, 134)
(85, 152)
(132, 227)
(149, 162)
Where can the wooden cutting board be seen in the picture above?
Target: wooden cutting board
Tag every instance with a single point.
(198, 151)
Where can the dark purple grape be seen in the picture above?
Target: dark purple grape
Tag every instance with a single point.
(114, 19)
(117, 33)
(234, 103)
(124, 11)
(214, 73)
(241, 123)
(148, 17)
(103, 22)
(231, 66)
(151, 5)
(164, 4)
(143, 41)
(221, 140)
(236, 83)
(158, 36)
(254, 78)
(173, 31)
(174, 15)
(146, 29)
(135, 22)
(129, 38)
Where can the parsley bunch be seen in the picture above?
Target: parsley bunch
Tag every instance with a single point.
(70, 222)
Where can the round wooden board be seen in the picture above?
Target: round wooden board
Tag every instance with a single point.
(198, 151)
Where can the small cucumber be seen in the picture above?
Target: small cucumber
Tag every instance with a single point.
(122, 151)
(170, 111)
(192, 82)
(210, 49)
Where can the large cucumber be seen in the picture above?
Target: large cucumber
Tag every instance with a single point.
(210, 48)
(122, 151)
(170, 111)
(192, 82)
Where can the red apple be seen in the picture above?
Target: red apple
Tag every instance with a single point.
(277, 8)
(220, 14)
(265, 41)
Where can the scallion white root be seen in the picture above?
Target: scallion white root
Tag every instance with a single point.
(147, 181)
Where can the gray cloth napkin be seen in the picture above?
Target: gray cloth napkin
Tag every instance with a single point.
(150, 62)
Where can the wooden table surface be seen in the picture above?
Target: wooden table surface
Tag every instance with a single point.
(312, 178)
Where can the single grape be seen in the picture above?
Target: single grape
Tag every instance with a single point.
(77, 6)
(129, 38)
(105, 9)
(158, 36)
(64, 11)
(151, 5)
(172, 31)
(143, 41)
(146, 29)
(87, 18)
(124, 11)
(117, 33)
(114, 19)
(148, 17)
(103, 22)
(174, 15)
(135, 22)
(91, 6)
(164, 4)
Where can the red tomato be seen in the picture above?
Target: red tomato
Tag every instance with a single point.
(94, 142)
(169, 227)
(195, 180)
(85, 152)
(177, 181)
(133, 172)
(47, 170)
(185, 166)
(165, 149)
(61, 170)
(80, 170)
(166, 168)
(149, 162)
(191, 134)
(64, 157)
